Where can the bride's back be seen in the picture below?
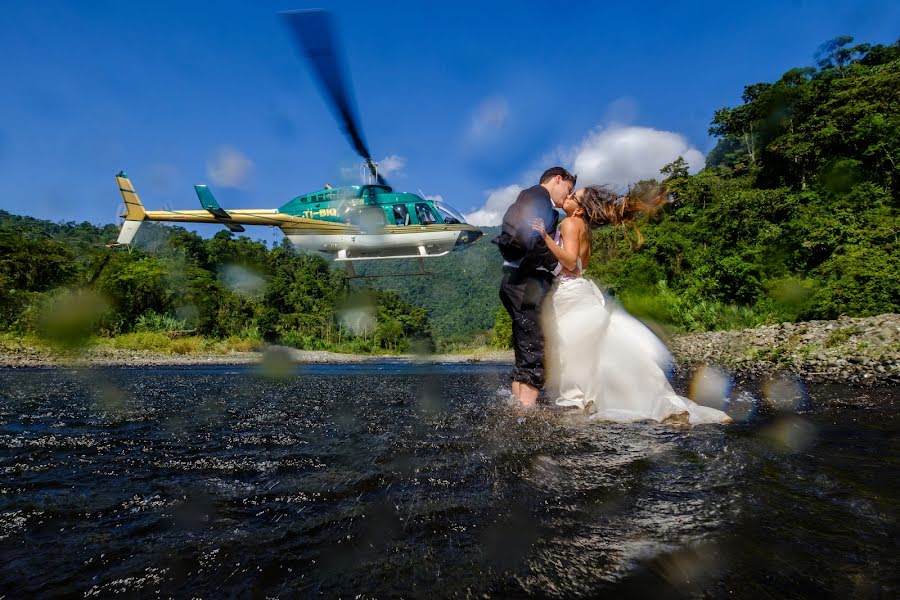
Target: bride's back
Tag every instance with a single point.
(575, 230)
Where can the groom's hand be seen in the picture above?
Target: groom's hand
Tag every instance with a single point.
(538, 225)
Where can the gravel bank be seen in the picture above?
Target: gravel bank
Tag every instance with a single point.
(850, 350)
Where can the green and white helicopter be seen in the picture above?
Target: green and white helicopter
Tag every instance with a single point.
(352, 223)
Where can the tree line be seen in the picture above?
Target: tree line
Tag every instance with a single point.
(794, 216)
(175, 281)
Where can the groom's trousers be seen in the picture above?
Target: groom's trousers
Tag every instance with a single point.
(522, 296)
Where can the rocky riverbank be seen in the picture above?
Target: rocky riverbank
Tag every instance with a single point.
(849, 350)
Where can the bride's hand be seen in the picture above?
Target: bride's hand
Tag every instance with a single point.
(538, 225)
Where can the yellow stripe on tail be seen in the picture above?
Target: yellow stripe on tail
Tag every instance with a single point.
(134, 210)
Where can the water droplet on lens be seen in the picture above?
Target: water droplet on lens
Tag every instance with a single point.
(784, 393)
(790, 434)
(741, 406)
(710, 386)
(277, 363)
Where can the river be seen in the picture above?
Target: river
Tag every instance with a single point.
(397, 479)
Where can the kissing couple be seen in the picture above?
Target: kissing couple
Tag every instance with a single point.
(599, 358)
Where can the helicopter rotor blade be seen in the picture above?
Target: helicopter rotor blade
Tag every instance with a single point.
(313, 31)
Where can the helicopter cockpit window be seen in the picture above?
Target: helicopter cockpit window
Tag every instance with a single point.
(425, 214)
(448, 215)
(401, 214)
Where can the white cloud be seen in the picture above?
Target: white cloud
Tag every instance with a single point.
(497, 202)
(391, 165)
(351, 174)
(228, 167)
(618, 156)
(490, 116)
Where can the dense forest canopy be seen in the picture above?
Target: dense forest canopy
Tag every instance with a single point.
(793, 218)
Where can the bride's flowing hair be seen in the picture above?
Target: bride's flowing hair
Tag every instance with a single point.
(602, 206)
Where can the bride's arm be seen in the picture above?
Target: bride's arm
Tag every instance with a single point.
(567, 255)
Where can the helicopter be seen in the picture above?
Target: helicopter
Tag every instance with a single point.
(363, 222)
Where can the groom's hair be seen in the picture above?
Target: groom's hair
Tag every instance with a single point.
(554, 171)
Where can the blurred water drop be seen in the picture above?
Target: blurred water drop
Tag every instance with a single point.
(277, 363)
(741, 407)
(431, 399)
(420, 349)
(69, 319)
(508, 541)
(790, 434)
(345, 417)
(111, 402)
(161, 178)
(360, 320)
(791, 293)
(784, 393)
(242, 280)
(687, 568)
(229, 167)
(188, 313)
(546, 472)
(710, 387)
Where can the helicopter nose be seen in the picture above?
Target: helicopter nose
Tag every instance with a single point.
(468, 237)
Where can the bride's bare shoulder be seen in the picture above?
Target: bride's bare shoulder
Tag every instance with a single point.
(571, 222)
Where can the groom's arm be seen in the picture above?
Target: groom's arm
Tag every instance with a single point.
(544, 257)
(517, 237)
(539, 255)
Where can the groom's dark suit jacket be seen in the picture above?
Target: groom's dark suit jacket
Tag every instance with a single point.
(517, 240)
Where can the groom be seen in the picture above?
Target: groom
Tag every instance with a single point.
(528, 271)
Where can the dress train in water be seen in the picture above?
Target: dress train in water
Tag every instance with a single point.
(609, 363)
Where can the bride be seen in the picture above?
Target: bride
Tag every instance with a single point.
(599, 358)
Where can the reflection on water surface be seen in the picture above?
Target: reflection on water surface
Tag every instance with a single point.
(391, 479)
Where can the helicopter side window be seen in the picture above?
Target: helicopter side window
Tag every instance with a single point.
(425, 214)
(401, 214)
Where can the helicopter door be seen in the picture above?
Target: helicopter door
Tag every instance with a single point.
(425, 214)
(401, 214)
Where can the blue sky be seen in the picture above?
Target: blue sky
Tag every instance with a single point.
(464, 100)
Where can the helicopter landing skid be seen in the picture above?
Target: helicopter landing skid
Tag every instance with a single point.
(351, 272)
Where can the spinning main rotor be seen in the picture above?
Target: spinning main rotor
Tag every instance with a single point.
(313, 32)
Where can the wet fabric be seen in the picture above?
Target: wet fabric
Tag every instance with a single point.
(606, 362)
(522, 297)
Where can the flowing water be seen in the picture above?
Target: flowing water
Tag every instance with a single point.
(406, 480)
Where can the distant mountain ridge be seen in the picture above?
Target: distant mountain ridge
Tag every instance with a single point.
(460, 293)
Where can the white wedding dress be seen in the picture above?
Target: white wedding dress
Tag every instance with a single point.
(604, 361)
